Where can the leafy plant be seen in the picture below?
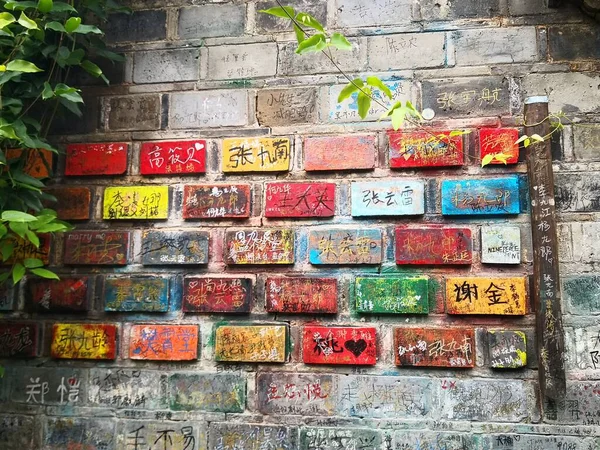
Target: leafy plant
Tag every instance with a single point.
(43, 45)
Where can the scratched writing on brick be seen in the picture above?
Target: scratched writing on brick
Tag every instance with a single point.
(136, 202)
(127, 388)
(388, 198)
(217, 294)
(251, 343)
(408, 295)
(300, 200)
(164, 342)
(301, 295)
(293, 393)
(479, 295)
(339, 345)
(84, 341)
(296, 393)
(345, 247)
(423, 149)
(507, 349)
(215, 201)
(501, 245)
(23, 249)
(173, 157)
(580, 406)
(499, 142)
(260, 247)
(586, 349)
(436, 347)
(136, 293)
(256, 155)
(96, 159)
(481, 196)
(40, 391)
(433, 246)
(341, 439)
(470, 97)
(108, 247)
(180, 247)
(226, 436)
(347, 110)
(160, 436)
(68, 294)
(18, 340)
(207, 392)
(292, 106)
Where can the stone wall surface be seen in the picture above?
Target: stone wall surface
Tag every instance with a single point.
(254, 267)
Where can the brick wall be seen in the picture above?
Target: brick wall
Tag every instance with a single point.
(255, 267)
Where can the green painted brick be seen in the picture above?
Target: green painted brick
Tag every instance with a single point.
(212, 392)
(392, 295)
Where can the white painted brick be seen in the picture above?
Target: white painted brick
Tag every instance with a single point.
(208, 109)
(227, 62)
(166, 66)
(495, 46)
(407, 51)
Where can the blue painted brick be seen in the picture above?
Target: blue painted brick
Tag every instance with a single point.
(483, 196)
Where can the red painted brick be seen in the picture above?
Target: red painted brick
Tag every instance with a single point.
(215, 294)
(434, 245)
(174, 157)
(425, 149)
(340, 153)
(39, 162)
(67, 294)
(96, 247)
(339, 345)
(72, 203)
(164, 342)
(215, 201)
(435, 347)
(300, 200)
(260, 246)
(96, 159)
(302, 295)
(18, 340)
(499, 140)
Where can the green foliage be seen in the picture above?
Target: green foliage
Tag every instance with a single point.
(43, 44)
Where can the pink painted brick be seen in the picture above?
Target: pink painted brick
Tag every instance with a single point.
(340, 153)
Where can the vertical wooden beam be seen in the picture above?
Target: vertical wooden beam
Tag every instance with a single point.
(546, 280)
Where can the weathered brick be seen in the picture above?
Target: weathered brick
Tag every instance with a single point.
(409, 440)
(84, 341)
(166, 66)
(208, 109)
(571, 42)
(232, 435)
(251, 343)
(24, 249)
(590, 235)
(174, 247)
(494, 141)
(330, 153)
(260, 246)
(136, 293)
(128, 388)
(495, 46)
(48, 386)
(136, 27)
(230, 62)
(299, 200)
(577, 192)
(407, 51)
(136, 202)
(19, 339)
(96, 248)
(582, 293)
(268, 23)
(217, 294)
(96, 159)
(290, 63)
(500, 245)
(339, 345)
(16, 431)
(79, 433)
(425, 149)
(7, 298)
(579, 406)
(207, 392)
(586, 145)
(583, 349)
(528, 7)
(312, 438)
(256, 155)
(392, 295)
(72, 203)
(433, 245)
(135, 112)
(345, 246)
(354, 13)
(507, 349)
(401, 197)
(164, 342)
(69, 294)
(447, 10)
(172, 435)
(530, 441)
(301, 295)
(486, 295)
(482, 196)
(37, 163)
(205, 21)
(215, 201)
(174, 157)
(284, 107)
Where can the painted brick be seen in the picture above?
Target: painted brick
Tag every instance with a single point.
(582, 293)
(137, 112)
(408, 440)
(7, 298)
(423, 149)
(339, 345)
(73, 203)
(284, 107)
(461, 97)
(96, 159)
(483, 196)
(136, 202)
(128, 388)
(447, 10)
(19, 339)
(136, 293)
(260, 246)
(486, 295)
(166, 66)
(312, 438)
(435, 347)
(343, 246)
(294, 393)
(331, 152)
(150, 25)
(268, 23)
(353, 60)
(251, 343)
(69, 294)
(586, 145)
(211, 21)
(207, 392)
(500, 245)
(211, 201)
(47, 386)
(208, 109)
(507, 349)
(78, 433)
(401, 197)
(16, 431)
(572, 42)
(230, 62)
(164, 342)
(354, 13)
(84, 341)
(303, 295)
(577, 192)
(233, 435)
(407, 51)
(526, 442)
(493, 141)
(39, 163)
(173, 157)
(392, 295)
(96, 248)
(172, 435)
(217, 294)
(174, 247)
(347, 110)
(256, 155)
(434, 245)
(495, 46)
(300, 200)
(385, 397)
(24, 249)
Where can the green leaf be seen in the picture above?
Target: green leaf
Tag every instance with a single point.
(6, 18)
(502, 157)
(19, 228)
(17, 216)
(33, 238)
(47, 92)
(454, 133)
(521, 139)
(45, 273)
(300, 35)
(20, 65)
(339, 41)
(68, 93)
(8, 132)
(19, 6)
(63, 7)
(87, 29)
(309, 21)
(26, 22)
(24, 178)
(390, 110)
(350, 89)
(18, 272)
(56, 26)
(72, 24)
(314, 43)
(487, 159)
(537, 138)
(6, 248)
(287, 12)
(377, 83)
(45, 6)
(73, 107)
(3, 277)
(51, 228)
(3, 230)
(412, 110)
(398, 117)
(364, 102)
(33, 263)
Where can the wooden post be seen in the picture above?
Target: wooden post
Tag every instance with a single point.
(546, 281)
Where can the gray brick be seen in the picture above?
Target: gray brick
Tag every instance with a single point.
(134, 112)
(282, 107)
(495, 46)
(290, 63)
(68, 433)
(16, 432)
(232, 435)
(166, 66)
(127, 388)
(205, 21)
(426, 440)
(136, 27)
(208, 109)
(207, 392)
(528, 442)
(582, 293)
(572, 42)
(583, 349)
(528, 7)
(586, 142)
(580, 405)
(448, 9)
(160, 435)
(407, 51)
(48, 386)
(268, 23)
(227, 62)
(577, 192)
(357, 13)
(313, 438)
